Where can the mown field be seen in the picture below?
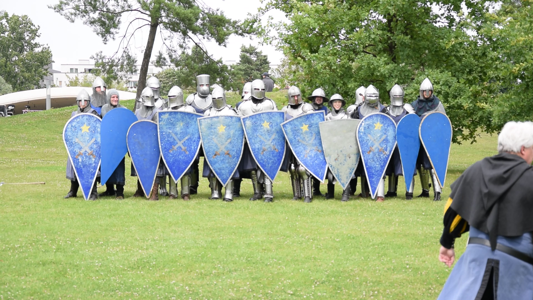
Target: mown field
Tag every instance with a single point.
(53, 248)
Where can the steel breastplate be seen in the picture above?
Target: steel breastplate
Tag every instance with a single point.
(365, 110)
(201, 104)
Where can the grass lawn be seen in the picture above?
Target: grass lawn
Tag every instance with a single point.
(53, 248)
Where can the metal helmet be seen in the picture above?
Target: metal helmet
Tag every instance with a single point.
(246, 91)
(202, 85)
(175, 97)
(155, 85)
(336, 97)
(360, 95)
(219, 98)
(426, 86)
(294, 91)
(258, 89)
(318, 93)
(99, 98)
(110, 93)
(99, 82)
(83, 97)
(148, 97)
(396, 95)
(372, 96)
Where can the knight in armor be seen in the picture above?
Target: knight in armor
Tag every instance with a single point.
(118, 177)
(84, 106)
(425, 103)
(246, 94)
(370, 105)
(318, 98)
(300, 178)
(200, 101)
(148, 111)
(155, 85)
(219, 108)
(397, 110)
(98, 98)
(176, 103)
(336, 112)
(359, 99)
(257, 103)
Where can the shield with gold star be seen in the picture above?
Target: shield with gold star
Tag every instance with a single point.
(143, 146)
(303, 136)
(436, 136)
(223, 143)
(376, 135)
(82, 140)
(179, 140)
(266, 140)
(340, 148)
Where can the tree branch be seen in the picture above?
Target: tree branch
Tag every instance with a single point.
(132, 34)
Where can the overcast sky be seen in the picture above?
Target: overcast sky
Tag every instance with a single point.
(70, 42)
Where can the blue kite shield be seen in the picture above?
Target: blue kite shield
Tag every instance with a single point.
(340, 148)
(82, 140)
(144, 150)
(408, 145)
(223, 143)
(179, 140)
(266, 140)
(436, 136)
(115, 126)
(377, 138)
(303, 135)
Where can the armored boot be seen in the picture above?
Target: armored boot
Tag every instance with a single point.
(194, 179)
(364, 188)
(424, 181)
(173, 187)
(74, 186)
(139, 192)
(307, 190)
(110, 190)
(120, 192)
(163, 186)
(215, 188)
(346, 194)
(436, 186)
(295, 182)
(353, 186)
(94, 193)
(269, 194)
(409, 193)
(257, 188)
(228, 196)
(393, 186)
(381, 191)
(153, 193)
(331, 190)
(185, 187)
(237, 187)
(316, 188)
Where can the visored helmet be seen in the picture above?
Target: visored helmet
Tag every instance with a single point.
(148, 97)
(155, 85)
(360, 95)
(295, 96)
(258, 89)
(426, 86)
(336, 97)
(175, 97)
(83, 98)
(202, 85)
(372, 96)
(219, 98)
(246, 91)
(318, 93)
(110, 93)
(396, 95)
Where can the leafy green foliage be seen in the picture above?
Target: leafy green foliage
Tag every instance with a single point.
(5, 88)
(23, 61)
(252, 64)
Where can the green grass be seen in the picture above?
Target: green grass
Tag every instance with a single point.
(54, 248)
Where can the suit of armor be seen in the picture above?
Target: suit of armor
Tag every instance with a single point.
(98, 98)
(359, 99)
(318, 106)
(155, 85)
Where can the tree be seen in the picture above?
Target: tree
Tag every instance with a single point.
(5, 88)
(179, 21)
(252, 64)
(23, 61)
(341, 45)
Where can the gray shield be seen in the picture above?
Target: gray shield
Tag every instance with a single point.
(340, 148)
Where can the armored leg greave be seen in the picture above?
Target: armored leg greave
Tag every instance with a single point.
(424, 181)
(305, 178)
(215, 188)
(255, 184)
(436, 186)
(295, 182)
(173, 190)
(163, 186)
(185, 187)
(346, 194)
(74, 186)
(269, 194)
(228, 197)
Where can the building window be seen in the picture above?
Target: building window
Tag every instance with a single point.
(74, 70)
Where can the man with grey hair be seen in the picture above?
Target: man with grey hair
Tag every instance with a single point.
(493, 200)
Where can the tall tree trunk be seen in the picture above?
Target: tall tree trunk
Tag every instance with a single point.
(146, 61)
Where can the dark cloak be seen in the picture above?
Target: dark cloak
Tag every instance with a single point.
(422, 105)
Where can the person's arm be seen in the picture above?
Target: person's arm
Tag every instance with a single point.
(454, 227)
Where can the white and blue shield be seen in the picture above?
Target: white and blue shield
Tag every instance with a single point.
(408, 145)
(223, 143)
(436, 136)
(143, 146)
(376, 135)
(303, 135)
(82, 140)
(266, 140)
(115, 126)
(179, 140)
(340, 148)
